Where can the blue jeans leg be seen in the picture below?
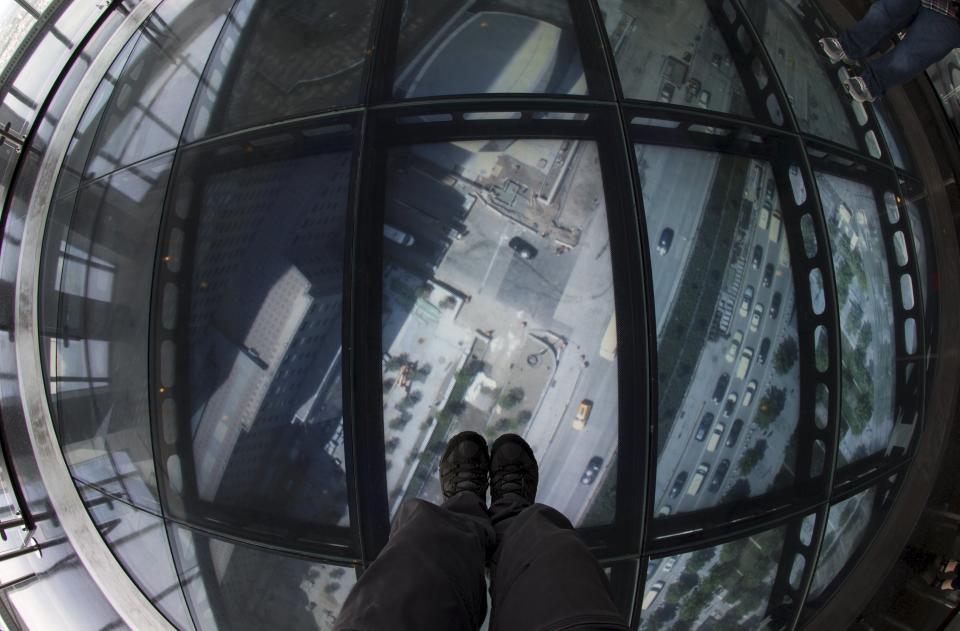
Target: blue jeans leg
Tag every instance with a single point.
(931, 36)
(878, 26)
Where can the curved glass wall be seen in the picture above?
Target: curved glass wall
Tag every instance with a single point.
(268, 298)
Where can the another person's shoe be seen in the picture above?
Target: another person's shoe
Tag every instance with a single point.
(857, 88)
(833, 49)
(465, 465)
(513, 468)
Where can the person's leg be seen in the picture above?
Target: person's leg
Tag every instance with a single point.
(430, 575)
(542, 574)
(881, 22)
(931, 36)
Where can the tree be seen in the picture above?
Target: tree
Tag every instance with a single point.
(786, 356)
(331, 587)
(420, 373)
(770, 406)
(664, 614)
(740, 490)
(524, 416)
(512, 398)
(387, 385)
(752, 457)
(700, 558)
(415, 396)
(687, 581)
(392, 444)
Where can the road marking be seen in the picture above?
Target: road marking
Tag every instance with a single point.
(493, 259)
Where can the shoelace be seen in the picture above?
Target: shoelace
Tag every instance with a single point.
(509, 479)
(465, 478)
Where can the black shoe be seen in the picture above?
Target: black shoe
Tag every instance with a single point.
(513, 468)
(465, 465)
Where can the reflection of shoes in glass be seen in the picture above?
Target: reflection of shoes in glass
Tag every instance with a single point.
(946, 566)
(513, 468)
(857, 88)
(833, 49)
(465, 465)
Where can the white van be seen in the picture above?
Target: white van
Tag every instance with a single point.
(715, 437)
(698, 478)
(744, 364)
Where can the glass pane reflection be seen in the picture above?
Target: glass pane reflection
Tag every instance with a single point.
(231, 586)
(94, 302)
(461, 48)
(139, 541)
(277, 60)
(847, 524)
(726, 328)
(867, 353)
(672, 52)
(803, 69)
(261, 438)
(719, 588)
(499, 314)
(149, 104)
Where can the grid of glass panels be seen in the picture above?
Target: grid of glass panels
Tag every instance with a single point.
(496, 287)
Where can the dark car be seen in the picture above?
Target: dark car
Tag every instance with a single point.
(593, 468)
(704, 427)
(734, 434)
(768, 275)
(764, 351)
(678, 484)
(666, 239)
(522, 248)
(666, 93)
(757, 256)
(775, 305)
(719, 475)
(721, 388)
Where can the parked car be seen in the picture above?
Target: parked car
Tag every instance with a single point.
(593, 468)
(731, 403)
(746, 301)
(749, 392)
(704, 426)
(666, 93)
(734, 346)
(768, 275)
(757, 256)
(698, 477)
(679, 483)
(721, 388)
(523, 249)
(651, 595)
(757, 317)
(764, 351)
(734, 434)
(775, 305)
(668, 564)
(666, 239)
(719, 475)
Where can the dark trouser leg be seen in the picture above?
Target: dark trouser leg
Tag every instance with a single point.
(543, 575)
(931, 36)
(430, 573)
(884, 19)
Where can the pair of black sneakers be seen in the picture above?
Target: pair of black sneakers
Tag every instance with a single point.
(508, 467)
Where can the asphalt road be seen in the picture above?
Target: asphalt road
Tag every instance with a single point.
(682, 452)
